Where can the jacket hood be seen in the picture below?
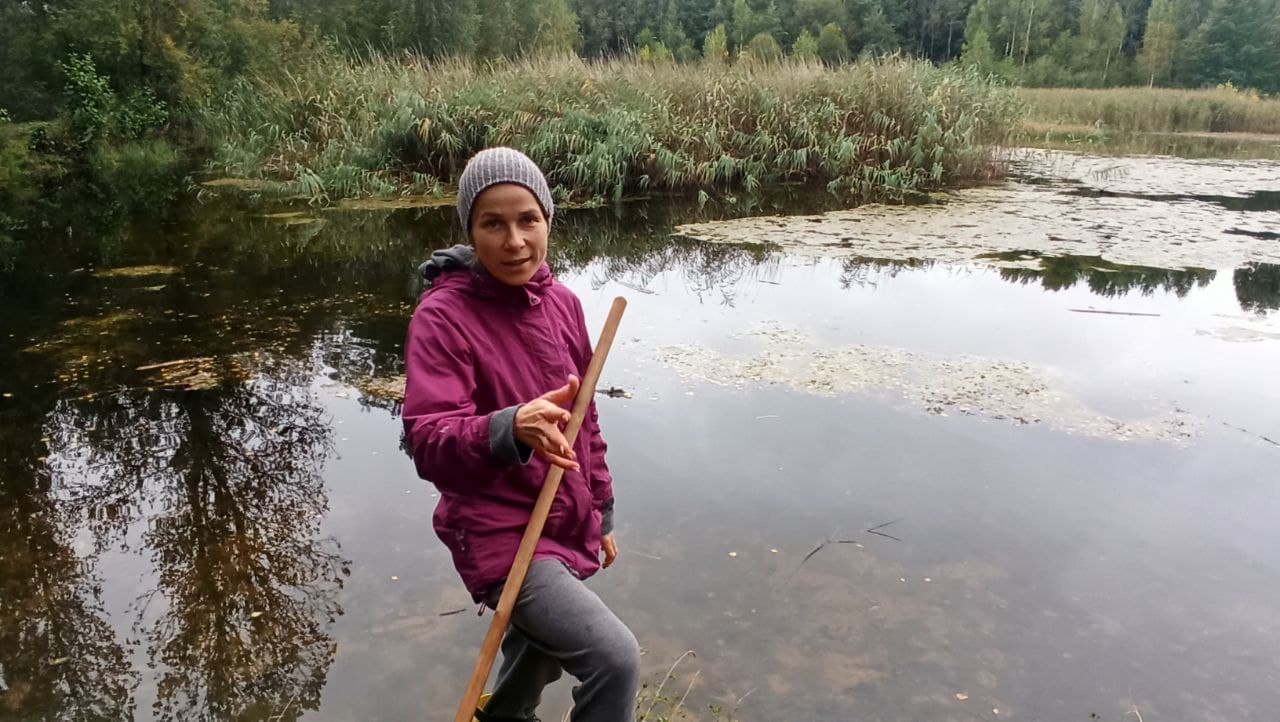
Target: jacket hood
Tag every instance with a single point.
(457, 267)
(456, 258)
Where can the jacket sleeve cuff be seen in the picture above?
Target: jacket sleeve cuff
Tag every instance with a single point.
(503, 444)
(606, 518)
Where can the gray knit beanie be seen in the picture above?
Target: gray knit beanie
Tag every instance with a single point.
(492, 166)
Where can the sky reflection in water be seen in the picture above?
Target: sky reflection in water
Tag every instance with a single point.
(260, 547)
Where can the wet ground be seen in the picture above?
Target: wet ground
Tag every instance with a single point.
(981, 478)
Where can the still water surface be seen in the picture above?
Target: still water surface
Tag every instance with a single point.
(242, 537)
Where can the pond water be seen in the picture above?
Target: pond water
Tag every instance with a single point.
(982, 477)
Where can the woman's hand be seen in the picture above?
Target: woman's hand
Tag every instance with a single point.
(609, 546)
(538, 425)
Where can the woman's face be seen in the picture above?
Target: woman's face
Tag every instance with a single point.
(509, 233)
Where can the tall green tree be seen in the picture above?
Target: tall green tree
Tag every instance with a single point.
(1101, 37)
(715, 47)
(1019, 30)
(1239, 43)
(986, 21)
(28, 51)
(672, 33)
(697, 17)
(805, 47)
(748, 22)
(741, 21)
(934, 29)
(1034, 17)
(609, 27)
(180, 51)
(832, 46)
(763, 49)
(977, 52)
(1160, 41)
(555, 28)
(810, 15)
(872, 31)
(1191, 15)
(433, 27)
(499, 33)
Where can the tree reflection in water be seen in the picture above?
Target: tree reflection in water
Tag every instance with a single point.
(228, 484)
(220, 490)
(1258, 287)
(635, 251)
(59, 656)
(1104, 278)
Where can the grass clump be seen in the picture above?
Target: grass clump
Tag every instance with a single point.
(334, 127)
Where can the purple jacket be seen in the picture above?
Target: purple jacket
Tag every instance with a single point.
(476, 350)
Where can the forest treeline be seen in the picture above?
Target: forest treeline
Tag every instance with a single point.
(148, 59)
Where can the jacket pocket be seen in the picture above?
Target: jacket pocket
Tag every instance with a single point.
(557, 516)
(568, 513)
(592, 532)
(455, 538)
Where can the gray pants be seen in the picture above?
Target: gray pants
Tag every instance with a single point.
(560, 624)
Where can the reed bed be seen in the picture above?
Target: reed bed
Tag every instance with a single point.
(1154, 110)
(331, 128)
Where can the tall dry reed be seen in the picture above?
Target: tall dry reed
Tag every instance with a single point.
(1162, 110)
(333, 127)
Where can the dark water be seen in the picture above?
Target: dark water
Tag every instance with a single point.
(246, 540)
(1255, 201)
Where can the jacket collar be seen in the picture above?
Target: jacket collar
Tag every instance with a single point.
(531, 293)
(458, 265)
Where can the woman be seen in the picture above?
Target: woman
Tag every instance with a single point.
(493, 356)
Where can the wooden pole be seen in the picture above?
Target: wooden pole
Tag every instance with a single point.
(528, 543)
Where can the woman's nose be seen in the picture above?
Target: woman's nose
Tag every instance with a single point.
(513, 238)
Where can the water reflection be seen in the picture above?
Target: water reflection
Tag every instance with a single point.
(337, 262)
(1255, 201)
(218, 490)
(1258, 287)
(634, 249)
(225, 488)
(59, 656)
(216, 487)
(1104, 278)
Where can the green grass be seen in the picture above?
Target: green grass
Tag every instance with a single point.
(139, 173)
(24, 170)
(25, 175)
(653, 705)
(1153, 110)
(332, 128)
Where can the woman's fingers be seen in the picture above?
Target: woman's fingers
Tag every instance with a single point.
(561, 461)
(565, 394)
(538, 425)
(548, 412)
(610, 547)
(556, 443)
(557, 415)
(554, 447)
